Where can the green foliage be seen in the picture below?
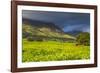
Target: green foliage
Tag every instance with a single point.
(35, 51)
(37, 47)
(83, 38)
(31, 38)
(29, 30)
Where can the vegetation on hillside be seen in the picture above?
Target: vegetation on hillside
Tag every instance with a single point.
(83, 38)
(43, 42)
(31, 31)
(36, 51)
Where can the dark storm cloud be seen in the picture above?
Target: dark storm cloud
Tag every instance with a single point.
(65, 20)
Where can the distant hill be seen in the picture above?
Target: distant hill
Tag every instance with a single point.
(74, 32)
(45, 29)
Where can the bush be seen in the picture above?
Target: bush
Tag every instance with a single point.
(31, 38)
(83, 39)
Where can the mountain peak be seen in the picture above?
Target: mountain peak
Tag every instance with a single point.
(41, 24)
(41, 28)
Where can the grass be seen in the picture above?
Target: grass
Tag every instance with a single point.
(36, 51)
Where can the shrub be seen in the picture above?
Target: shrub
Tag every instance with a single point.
(83, 39)
(32, 38)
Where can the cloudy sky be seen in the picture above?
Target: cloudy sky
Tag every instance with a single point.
(65, 20)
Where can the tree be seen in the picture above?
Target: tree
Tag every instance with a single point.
(83, 39)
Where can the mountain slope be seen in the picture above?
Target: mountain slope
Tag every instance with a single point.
(40, 28)
(74, 32)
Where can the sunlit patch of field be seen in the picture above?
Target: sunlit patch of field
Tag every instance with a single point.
(35, 51)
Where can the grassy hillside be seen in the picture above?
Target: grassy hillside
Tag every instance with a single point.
(29, 30)
(44, 41)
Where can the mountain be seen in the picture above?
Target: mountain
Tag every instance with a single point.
(41, 24)
(41, 28)
(74, 32)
